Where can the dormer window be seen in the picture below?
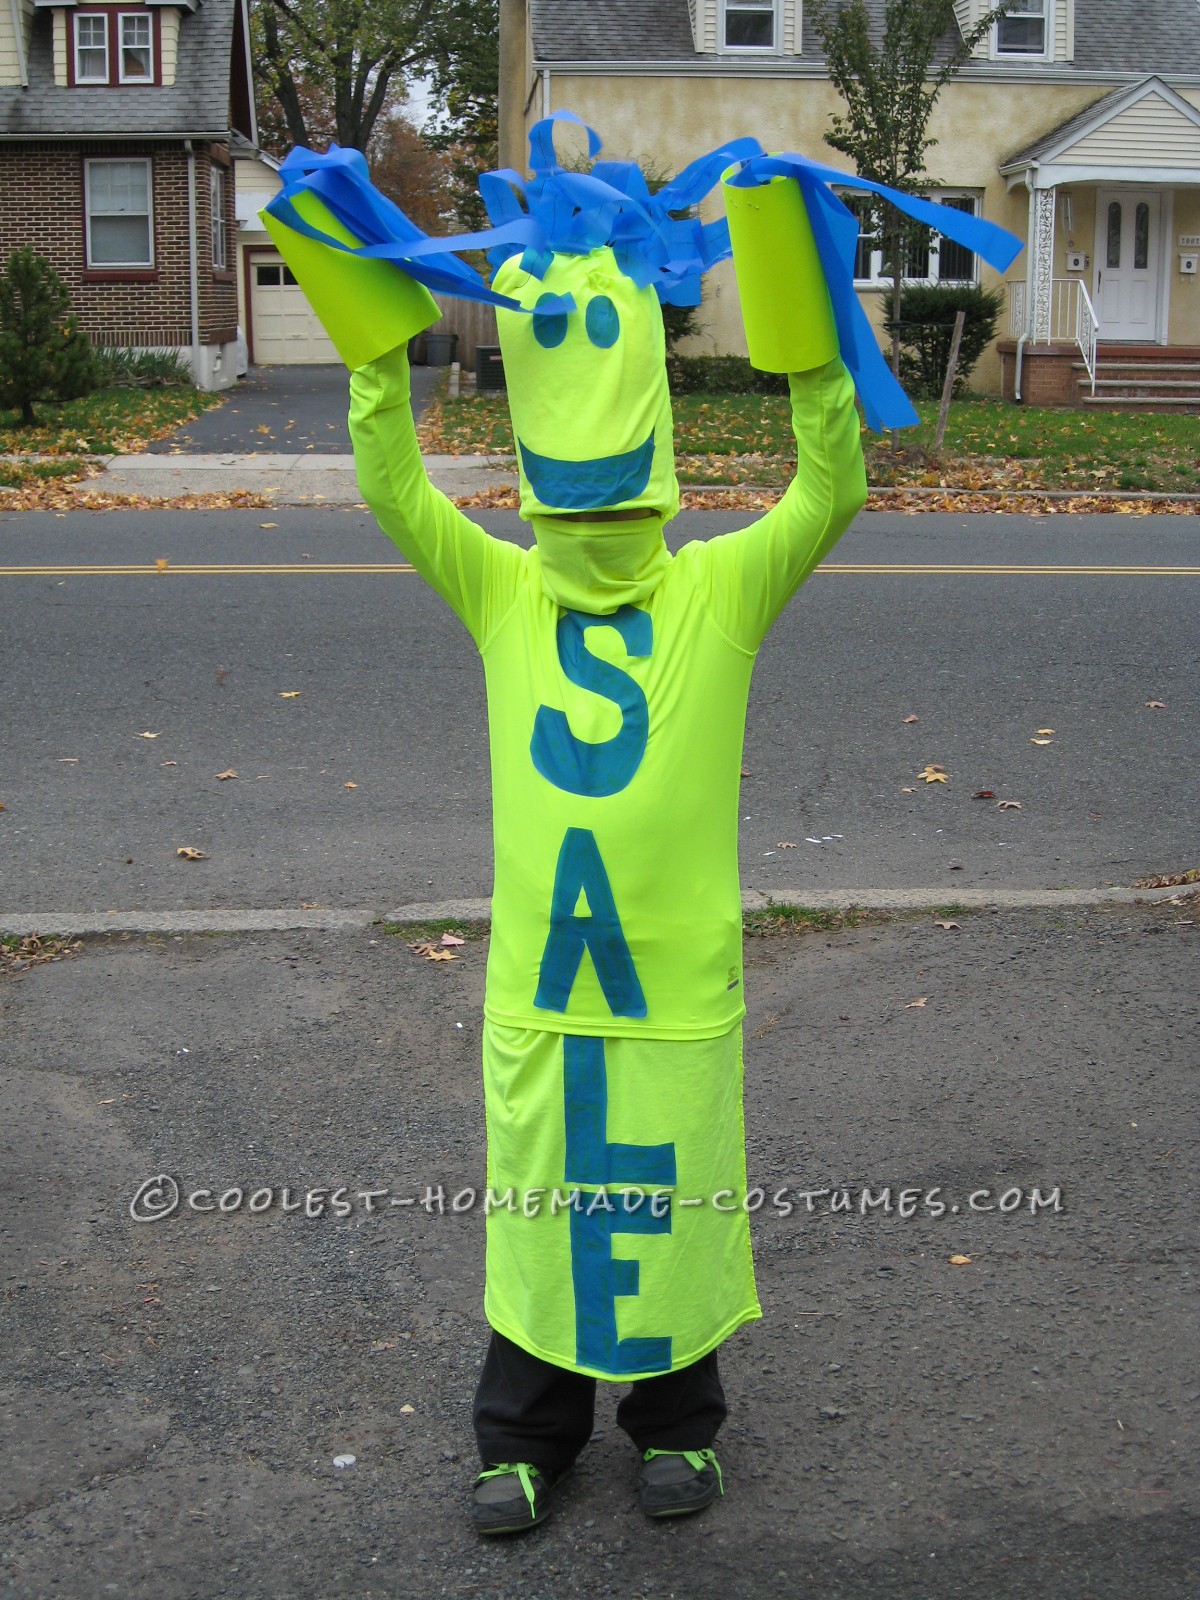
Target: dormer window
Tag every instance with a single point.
(113, 47)
(137, 46)
(1022, 30)
(749, 25)
(91, 48)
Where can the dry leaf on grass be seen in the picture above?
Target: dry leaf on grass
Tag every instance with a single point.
(189, 852)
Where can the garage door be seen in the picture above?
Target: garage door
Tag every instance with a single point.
(286, 333)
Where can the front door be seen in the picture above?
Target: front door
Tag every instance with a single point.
(1127, 264)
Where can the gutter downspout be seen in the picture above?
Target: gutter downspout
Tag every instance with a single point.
(1031, 265)
(19, 39)
(545, 91)
(193, 268)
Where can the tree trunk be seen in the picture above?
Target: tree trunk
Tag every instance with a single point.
(28, 419)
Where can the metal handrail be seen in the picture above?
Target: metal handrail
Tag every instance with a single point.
(1072, 317)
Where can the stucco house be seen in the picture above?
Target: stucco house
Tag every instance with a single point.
(118, 126)
(1076, 124)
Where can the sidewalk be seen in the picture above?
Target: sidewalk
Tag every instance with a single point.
(988, 1404)
(294, 479)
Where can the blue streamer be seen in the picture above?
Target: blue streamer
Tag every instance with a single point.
(835, 229)
(653, 240)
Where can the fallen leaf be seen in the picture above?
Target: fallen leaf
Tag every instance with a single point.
(160, 564)
(1008, 805)
(1046, 730)
(932, 775)
(785, 844)
(407, 1411)
(1156, 705)
(72, 761)
(190, 853)
(268, 524)
(147, 736)
(910, 719)
(1040, 741)
(168, 763)
(908, 791)
(222, 674)
(349, 786)
(948, 925)
(290, 694)
(984, 794)
(960, 1261)
(918, 1002)
(432, 953)
(452, 939)
(228, 773)
(263, 428)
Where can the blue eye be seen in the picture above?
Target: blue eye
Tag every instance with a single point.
(549, 327)
(602, 323)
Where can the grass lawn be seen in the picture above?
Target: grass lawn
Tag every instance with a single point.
(108, 422)
(989, 443)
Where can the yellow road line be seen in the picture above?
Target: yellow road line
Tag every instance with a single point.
(870, 569)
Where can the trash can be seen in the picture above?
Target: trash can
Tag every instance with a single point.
(417, 350)
(489, 367)
(440, 348)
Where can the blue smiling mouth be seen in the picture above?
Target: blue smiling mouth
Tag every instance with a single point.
(588, 485)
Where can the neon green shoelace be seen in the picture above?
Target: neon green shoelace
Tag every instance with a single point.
(696, 1459)
(524, 1472)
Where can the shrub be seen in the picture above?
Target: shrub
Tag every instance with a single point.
(43, 355)
(721, 375)
(142, 369)
(926, 327)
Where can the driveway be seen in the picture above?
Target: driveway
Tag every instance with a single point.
(281, 408)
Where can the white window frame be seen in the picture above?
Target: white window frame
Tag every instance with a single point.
(119, 266)
(1044, 54)
(134, 16)
(880, 280)
(89, 16)
(217, 180)
(775, 7)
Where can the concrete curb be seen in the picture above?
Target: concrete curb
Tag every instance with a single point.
(289, 479)
(265, 920)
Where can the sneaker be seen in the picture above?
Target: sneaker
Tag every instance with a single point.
(674, 1483)
(510, 1498)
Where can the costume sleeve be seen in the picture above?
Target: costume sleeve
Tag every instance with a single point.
(756, 571)
(476, 574)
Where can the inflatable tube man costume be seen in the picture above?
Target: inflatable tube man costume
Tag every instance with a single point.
(617, 681)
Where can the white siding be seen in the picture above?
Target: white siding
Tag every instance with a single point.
(1150, 133)
(168, 21)
(692, 19)
(10, 54)
(706, 26)
(63, 28)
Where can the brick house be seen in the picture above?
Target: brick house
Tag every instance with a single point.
(1075, 124)
(116, 127)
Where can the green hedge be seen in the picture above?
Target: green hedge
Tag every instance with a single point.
(721, 375)
(927, 327)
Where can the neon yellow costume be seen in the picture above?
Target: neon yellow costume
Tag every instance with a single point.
(612, 1051)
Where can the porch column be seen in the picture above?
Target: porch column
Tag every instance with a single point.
(1041, 266)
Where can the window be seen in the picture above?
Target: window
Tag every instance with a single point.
(749, 25)
(137, 47)
(1022, 31)
(119, 218)
(939, 261)
(220, 257)
(91, 48)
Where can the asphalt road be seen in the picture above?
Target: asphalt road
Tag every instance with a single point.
(903, 1426)
(388, 698)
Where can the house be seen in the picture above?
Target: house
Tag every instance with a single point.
(119, 122)
(1075, 124)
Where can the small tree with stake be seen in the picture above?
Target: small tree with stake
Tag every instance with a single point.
(890, 88)
(43, 355)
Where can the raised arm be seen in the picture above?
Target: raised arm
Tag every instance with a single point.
(474, 573)
(756, 571)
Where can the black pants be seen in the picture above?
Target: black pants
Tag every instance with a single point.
(526, 1409)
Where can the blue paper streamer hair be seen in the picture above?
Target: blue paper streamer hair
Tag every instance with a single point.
(560, 212)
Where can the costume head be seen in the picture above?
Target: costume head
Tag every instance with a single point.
(587, 388)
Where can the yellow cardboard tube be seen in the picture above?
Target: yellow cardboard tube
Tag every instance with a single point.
(781, 283)
(366, 307)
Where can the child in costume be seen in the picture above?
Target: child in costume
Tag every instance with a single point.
(617, 677)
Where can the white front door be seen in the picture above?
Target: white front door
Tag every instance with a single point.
(1127, 264)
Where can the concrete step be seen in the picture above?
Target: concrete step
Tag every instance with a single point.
(1149, 368)
(1141, 402)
